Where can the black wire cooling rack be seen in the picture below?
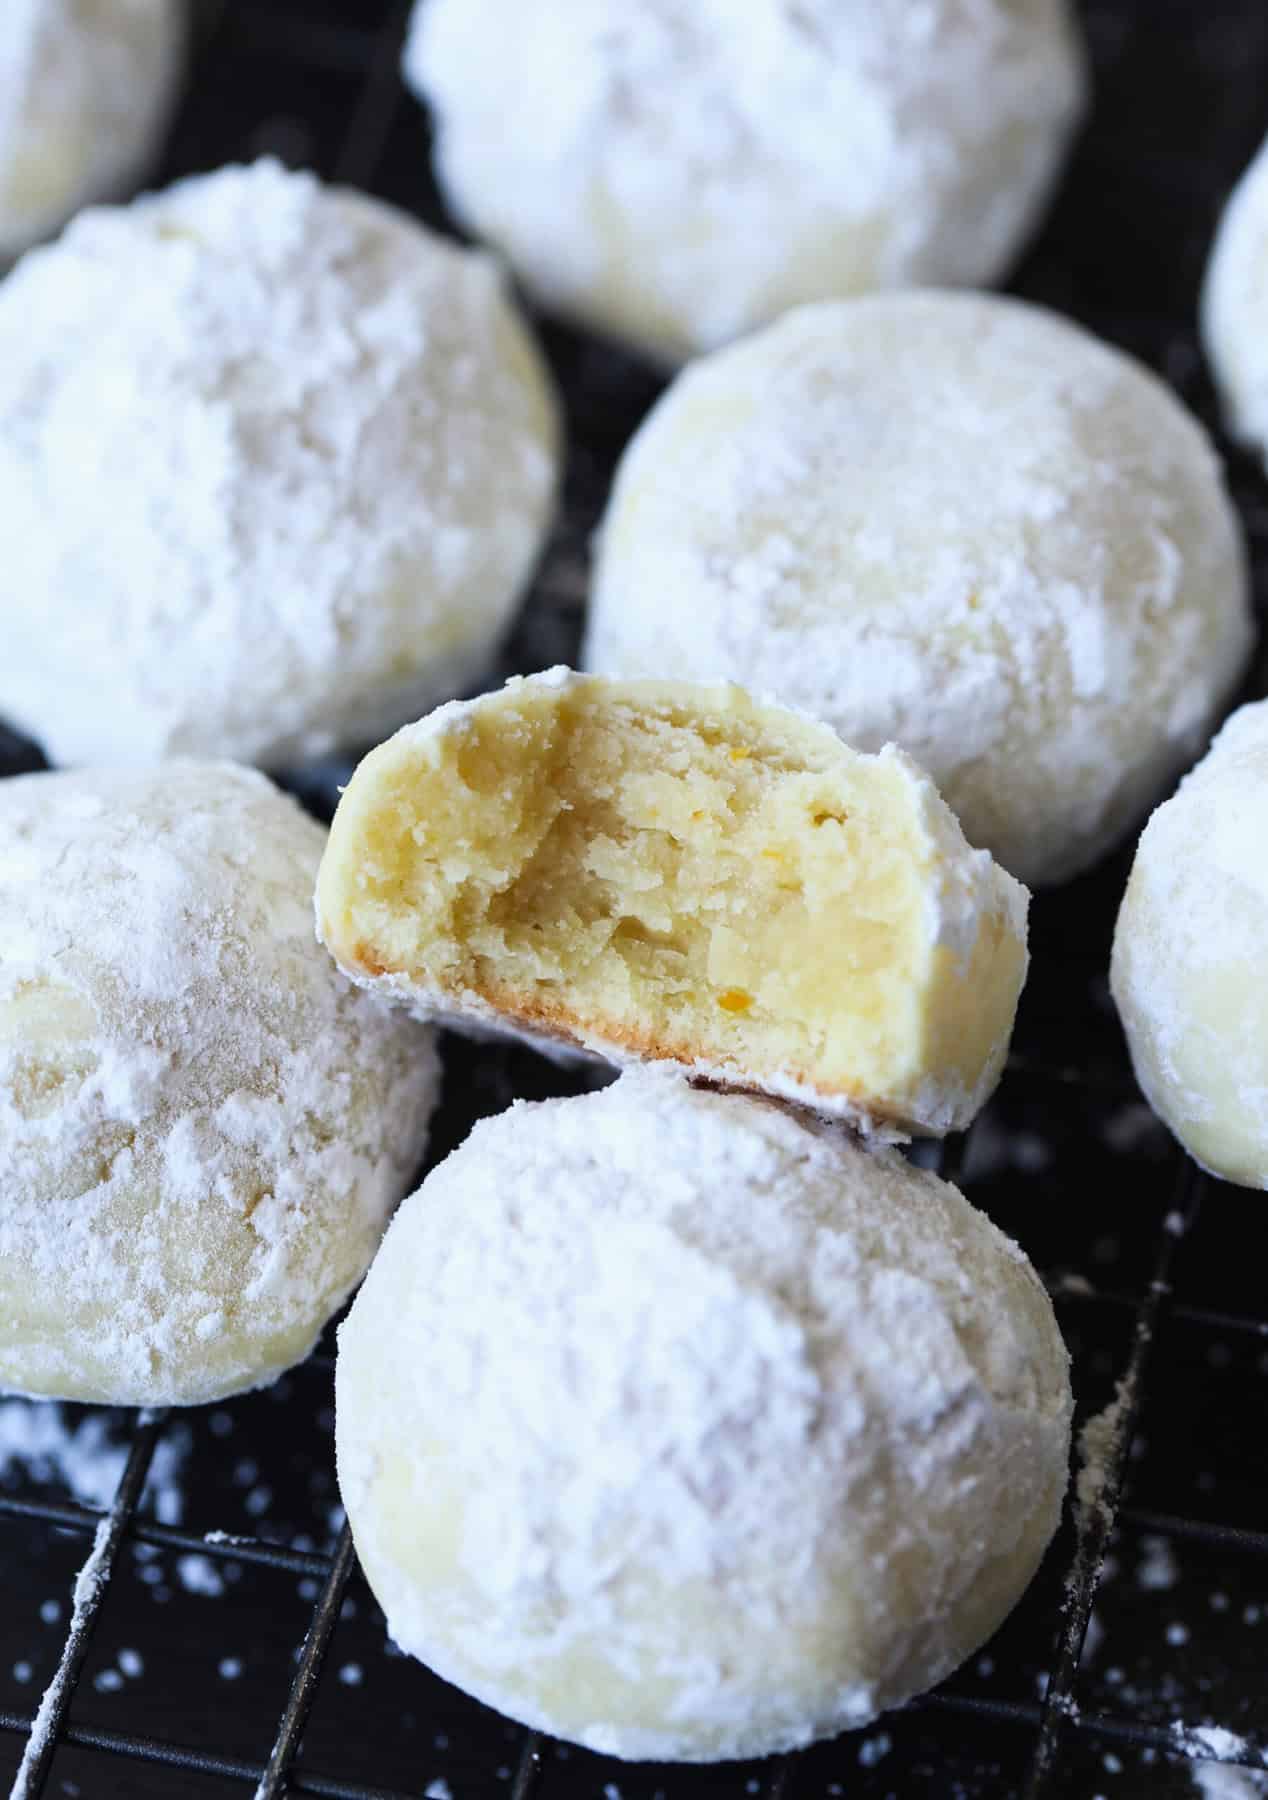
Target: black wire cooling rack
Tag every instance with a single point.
(221, 1638)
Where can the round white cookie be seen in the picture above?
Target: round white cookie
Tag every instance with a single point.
(1235, 307)
(275, 465)
(1187, 969)
(675, 1424)
(676, 172)
(86, 88)
(955, 522)
(203, 1126)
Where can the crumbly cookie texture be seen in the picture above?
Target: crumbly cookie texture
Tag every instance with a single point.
(1235, 305)
(275, 464)
(675, 872)
(86, 88)
(203, 1127)
(954, 522)
(752, 1434)
(676, 172)
(1188, 954)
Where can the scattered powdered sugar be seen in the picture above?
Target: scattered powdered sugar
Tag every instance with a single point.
(1157, 1569)
(39, 1439)
(775, 1351)
(874, 1749)
(1209, 1740)
(199, 1575)
(438, 1789)
(996, 1148)
(894, 513)
(1129, 1130)
(84, 94)
(203, 1127)
(1068, 1284)
(1215, 1781)
(301, 453)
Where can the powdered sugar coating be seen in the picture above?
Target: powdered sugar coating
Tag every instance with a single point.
(203, 1127)
(1188, 955)
(672, 1423)
(301, 454)
(85, 91)
(957, 522)
(677, 171)
(1235, 305)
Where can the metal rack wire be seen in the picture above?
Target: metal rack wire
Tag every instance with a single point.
(1030, 1718)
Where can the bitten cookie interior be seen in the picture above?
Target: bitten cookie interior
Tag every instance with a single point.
(677, 872)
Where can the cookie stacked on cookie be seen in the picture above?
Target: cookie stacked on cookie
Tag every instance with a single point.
(689, 1424)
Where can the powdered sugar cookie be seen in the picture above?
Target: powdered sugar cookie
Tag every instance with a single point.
(86, 87)
(1188, 956)
(300, 454)
(752, 1434)
(1235, 306)
(952, 521)
(676, 872)
(203, 1127)
(676, 172)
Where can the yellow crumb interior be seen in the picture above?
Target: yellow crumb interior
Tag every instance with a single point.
(697, 887)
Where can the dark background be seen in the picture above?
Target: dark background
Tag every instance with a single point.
(191, 1661)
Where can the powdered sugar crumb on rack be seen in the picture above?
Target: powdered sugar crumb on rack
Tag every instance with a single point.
(1218, 1781)
(1100, 1446)
(84, 1593)
(1215, 1741)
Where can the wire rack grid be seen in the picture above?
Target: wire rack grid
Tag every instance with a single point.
(1133, 1666)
